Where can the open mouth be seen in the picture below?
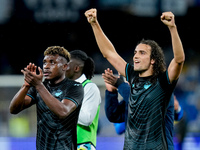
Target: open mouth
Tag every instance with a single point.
(136, 62)
(47, 73)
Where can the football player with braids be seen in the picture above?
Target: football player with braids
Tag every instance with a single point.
(81, 69)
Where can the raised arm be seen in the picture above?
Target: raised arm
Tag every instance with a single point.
(177, 62)
(105, 46)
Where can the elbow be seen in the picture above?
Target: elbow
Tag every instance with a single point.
(111, 120)
(111, 117)
(62, 115)
(85, 120)
(109, 53)
(181, 59)
(115, 117)
(85, 123)
(64, 112)
(13, 110)
(14, 113)
(105, 56)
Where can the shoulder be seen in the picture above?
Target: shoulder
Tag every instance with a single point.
(163, 79)
(130, 73)
(91, 91)
(73, 85)
(72, 82)
(90, 84)
(91, 87)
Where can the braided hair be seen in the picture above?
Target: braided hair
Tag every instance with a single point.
(88, 63)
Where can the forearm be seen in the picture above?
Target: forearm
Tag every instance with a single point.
(18, 102)
(124, 91)
(57, 107)
(178, 51)
(107, 49)
(115, 111)
(104, 44)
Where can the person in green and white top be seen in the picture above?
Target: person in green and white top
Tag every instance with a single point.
(81, 69)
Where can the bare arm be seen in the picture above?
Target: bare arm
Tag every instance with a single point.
(177, 62)
(105, 46)
(61, 109)
(20, 101)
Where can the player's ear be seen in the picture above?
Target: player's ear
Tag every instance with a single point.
(76, 68)
(152, 61)
(65, 66)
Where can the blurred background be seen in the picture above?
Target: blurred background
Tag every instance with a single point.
(28, 27)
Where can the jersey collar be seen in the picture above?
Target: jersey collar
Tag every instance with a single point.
(81, 78)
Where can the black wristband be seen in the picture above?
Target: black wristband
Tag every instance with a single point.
(119, 81)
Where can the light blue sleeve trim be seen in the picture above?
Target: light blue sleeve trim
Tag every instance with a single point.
(72, 100)
(126, 71)
(167, 77)
(31, 96)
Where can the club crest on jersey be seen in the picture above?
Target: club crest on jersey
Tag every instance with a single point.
(76, 84)
(146, 86)
(58, 93)
(133, 85)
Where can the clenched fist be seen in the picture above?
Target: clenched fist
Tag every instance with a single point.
(91, 15)
(168, 19)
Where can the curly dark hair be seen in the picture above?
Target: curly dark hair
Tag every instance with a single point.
(89, 66)
(157, 54)
(61, 51)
